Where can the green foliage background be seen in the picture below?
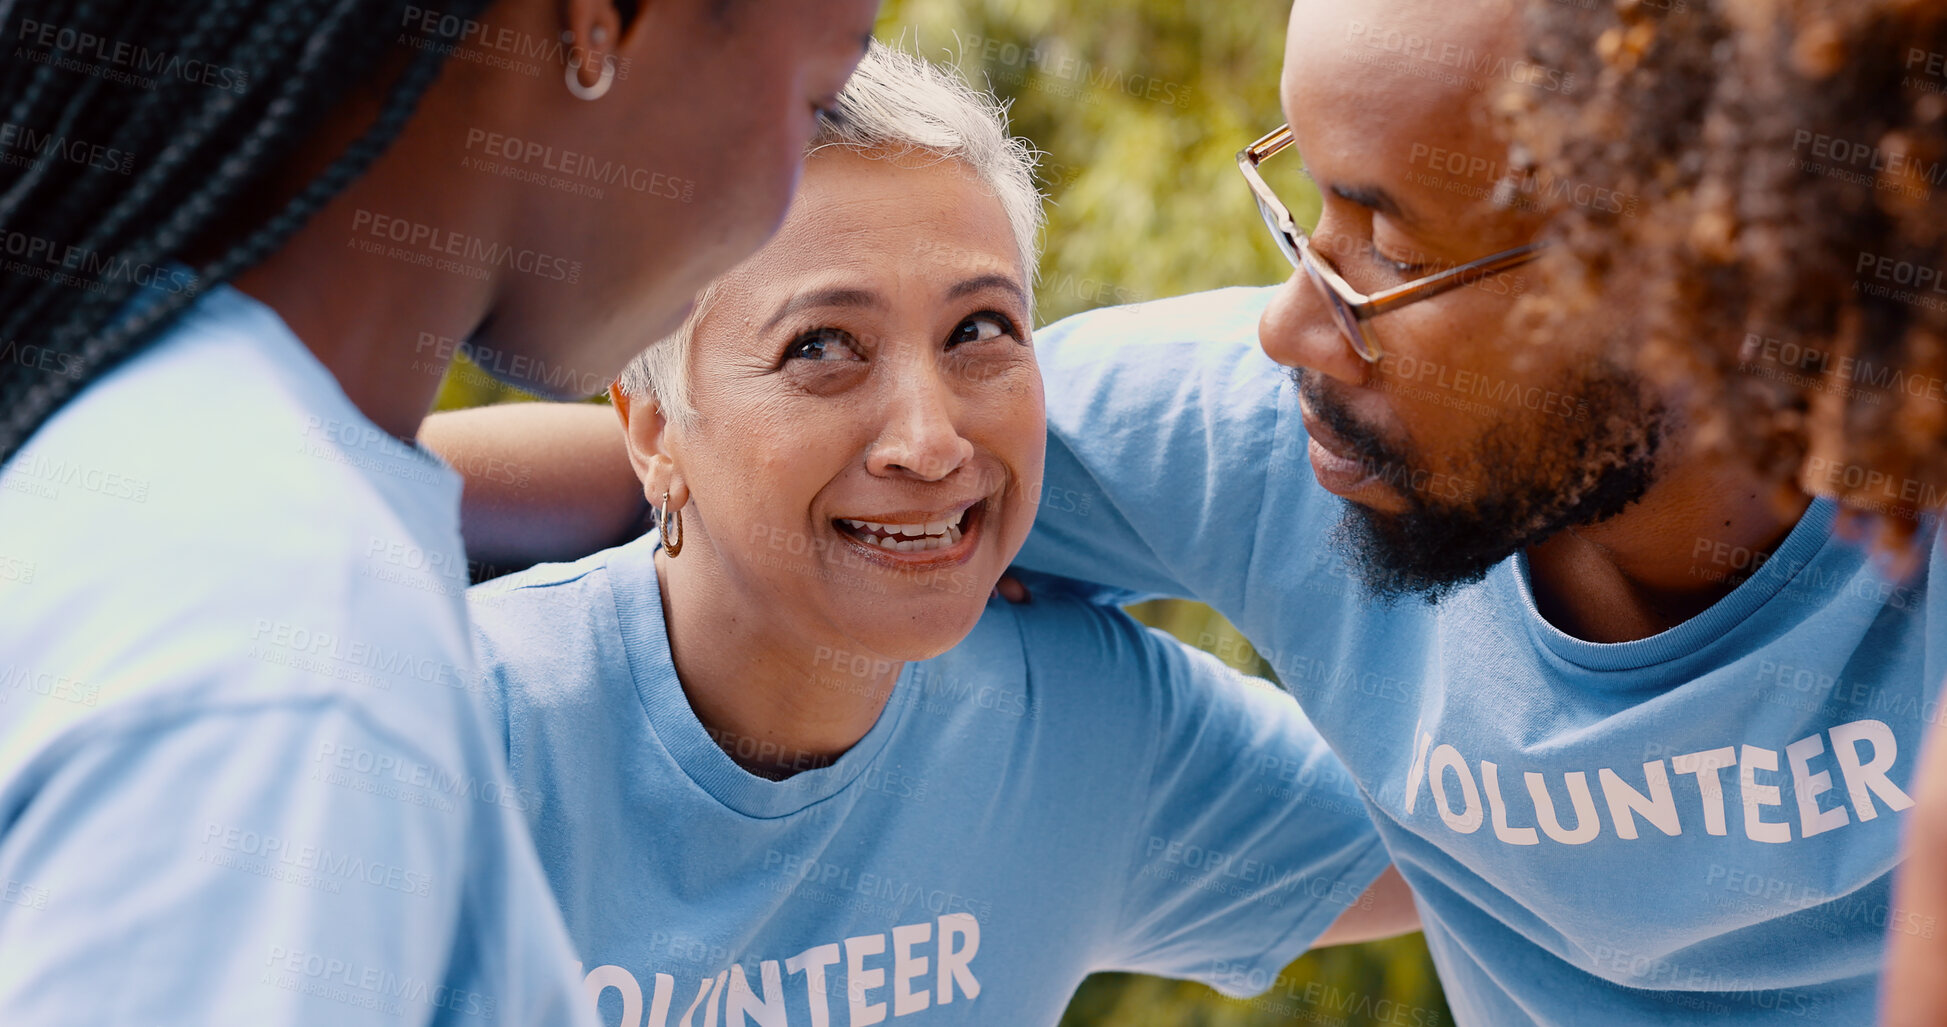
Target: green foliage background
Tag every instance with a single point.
(1140, 107)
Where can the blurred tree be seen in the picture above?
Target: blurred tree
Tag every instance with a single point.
(1140, 107)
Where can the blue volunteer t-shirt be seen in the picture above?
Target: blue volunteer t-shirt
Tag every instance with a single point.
(242, 780)
(1701, 826)
(1063, 792)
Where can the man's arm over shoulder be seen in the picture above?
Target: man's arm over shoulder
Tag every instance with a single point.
(1171, 438)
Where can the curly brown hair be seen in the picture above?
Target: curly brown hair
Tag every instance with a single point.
(1780, 262)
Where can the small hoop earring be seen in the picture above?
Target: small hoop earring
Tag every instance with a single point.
(596, 91)
(664, 521)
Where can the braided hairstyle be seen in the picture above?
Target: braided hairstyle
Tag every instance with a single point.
(1789, 163)
(196, 102)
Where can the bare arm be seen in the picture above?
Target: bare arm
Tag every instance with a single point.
(1384, 911)
(544, 481)
(1915, 988)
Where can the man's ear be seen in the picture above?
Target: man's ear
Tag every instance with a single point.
(646, 433)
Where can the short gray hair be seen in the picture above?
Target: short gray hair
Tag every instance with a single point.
(895, 105)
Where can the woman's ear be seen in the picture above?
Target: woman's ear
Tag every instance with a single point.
(647, 434)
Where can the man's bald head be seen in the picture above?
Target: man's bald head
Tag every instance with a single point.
(1471, 445)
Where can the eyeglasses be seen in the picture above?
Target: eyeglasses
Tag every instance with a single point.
(1351, 308)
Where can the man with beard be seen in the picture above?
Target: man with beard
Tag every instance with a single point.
(1636, 726)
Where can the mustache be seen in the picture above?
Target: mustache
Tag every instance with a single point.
(1327, 406)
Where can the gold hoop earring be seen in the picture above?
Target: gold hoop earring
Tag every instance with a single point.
(663, 520)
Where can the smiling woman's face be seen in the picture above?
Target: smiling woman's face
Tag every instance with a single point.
(869, 431)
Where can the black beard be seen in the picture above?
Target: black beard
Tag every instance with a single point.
(1570, 473)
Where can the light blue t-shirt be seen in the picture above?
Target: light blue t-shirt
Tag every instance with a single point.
(242, 779)
(1698, 827)
(1063, 792)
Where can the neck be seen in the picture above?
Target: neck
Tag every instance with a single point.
(1685, 545)
(771, 692)
(384, 327)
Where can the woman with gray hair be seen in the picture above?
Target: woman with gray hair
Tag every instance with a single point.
(785, 760)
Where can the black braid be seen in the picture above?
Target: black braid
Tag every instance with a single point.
(275, 68)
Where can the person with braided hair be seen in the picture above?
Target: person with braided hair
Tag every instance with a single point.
(243, 776)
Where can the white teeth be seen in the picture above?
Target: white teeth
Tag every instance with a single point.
(909, 538)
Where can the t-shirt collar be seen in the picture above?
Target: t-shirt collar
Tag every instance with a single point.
(638, 610)
(1800, 547)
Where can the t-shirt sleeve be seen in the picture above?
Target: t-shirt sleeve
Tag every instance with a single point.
(287, 863)
(1164, 430)
(1252, 838)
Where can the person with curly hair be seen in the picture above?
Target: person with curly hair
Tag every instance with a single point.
(1785, 267)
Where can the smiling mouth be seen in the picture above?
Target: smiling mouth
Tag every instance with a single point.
(911, 536)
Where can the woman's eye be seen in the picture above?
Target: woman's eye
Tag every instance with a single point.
(822, 344)
(980, 328)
